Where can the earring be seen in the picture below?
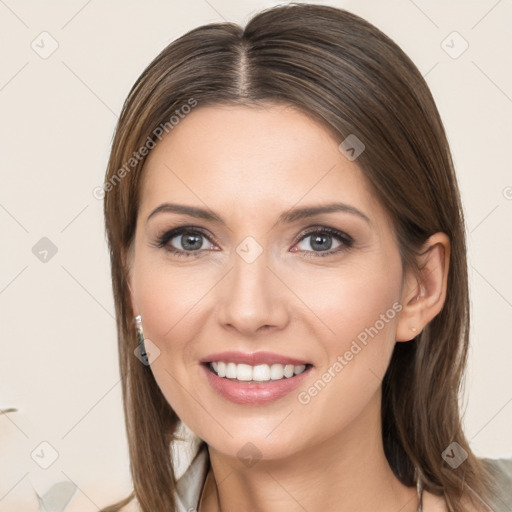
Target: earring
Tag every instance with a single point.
(413, 329)
(140, 336)
(419, 488)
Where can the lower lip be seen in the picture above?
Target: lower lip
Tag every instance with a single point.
(254, 393)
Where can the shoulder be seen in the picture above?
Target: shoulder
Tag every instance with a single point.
(502, 467)
(502, 493)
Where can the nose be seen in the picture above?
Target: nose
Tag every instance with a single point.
(251, 298)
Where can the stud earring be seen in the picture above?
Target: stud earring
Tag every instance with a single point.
(140, 337)
(413, 329)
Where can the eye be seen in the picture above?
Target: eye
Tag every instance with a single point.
(320, 241)
(184, 241)
(189, 241)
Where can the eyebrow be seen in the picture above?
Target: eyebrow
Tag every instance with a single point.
(287, 217)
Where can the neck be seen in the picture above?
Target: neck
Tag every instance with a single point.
(346, 473)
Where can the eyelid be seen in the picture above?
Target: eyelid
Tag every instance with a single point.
(345, 240)
(317, 228)
(163, 239)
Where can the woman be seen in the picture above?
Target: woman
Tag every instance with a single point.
(289, 272)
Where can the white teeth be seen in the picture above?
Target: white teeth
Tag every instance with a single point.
(288, 370)
(259, 373)
(231, 371)
(243, 371)
(299, 369)
(276, 371)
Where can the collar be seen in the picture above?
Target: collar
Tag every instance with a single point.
(190, 484)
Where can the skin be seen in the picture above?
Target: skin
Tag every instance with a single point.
(249, 165)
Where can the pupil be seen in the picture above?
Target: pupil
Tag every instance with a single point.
(321, 242)
(193, 242)
(190, 242)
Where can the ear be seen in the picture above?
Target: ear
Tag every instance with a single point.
(423, 295)
(127, 262)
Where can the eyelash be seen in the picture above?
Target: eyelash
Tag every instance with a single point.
(164, 239)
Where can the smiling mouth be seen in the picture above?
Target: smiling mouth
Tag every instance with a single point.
(257, 373)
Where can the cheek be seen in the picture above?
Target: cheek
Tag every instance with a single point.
(361, 307)
(352, 300)
(169, 298)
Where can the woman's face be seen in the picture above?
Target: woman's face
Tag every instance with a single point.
(253, 272)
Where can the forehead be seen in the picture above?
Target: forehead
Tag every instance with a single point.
(247, 158)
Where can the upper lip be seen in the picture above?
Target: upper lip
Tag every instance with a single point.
(253, 358)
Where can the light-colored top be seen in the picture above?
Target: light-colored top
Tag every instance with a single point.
(191, 482)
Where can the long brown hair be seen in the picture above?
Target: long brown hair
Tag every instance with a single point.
(347, 74)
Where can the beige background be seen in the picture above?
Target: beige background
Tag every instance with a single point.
(58, 364)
